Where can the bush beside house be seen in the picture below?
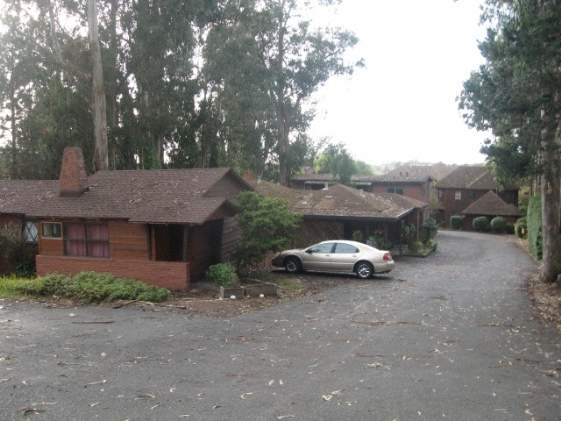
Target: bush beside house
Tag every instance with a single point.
(456, 222)
(498, 225)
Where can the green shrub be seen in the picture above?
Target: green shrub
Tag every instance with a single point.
(358, 236)
(222, 274)
(429, 228)
(456, 222)
(90, 287)
(379, 242)
(415, 246)
(509, 229)
(521, 227)
(498, 224)
(8, 286)
(267, 224)
(407, 232)
(481, 223)
(25, 270)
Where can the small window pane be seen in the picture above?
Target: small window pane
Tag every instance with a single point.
(52, 230)
(458, 195)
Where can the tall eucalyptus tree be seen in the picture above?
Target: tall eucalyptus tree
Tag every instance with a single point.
(517, 94)
(270, 61)
(162, 54)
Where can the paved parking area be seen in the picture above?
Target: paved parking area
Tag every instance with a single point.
(451, 336)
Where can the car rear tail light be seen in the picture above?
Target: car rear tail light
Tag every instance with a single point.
(387, 257)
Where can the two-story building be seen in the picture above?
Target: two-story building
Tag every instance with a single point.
(465, 186)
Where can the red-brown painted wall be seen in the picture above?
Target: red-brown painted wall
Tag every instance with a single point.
(456, 207)
(414, 191)
(171, 275)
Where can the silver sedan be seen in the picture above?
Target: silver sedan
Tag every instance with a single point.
(337, 256)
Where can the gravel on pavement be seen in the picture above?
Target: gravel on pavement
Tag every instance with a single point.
(450, 336)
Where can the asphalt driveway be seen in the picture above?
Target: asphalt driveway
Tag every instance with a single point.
(451, 336)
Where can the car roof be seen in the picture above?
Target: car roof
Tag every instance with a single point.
(354, 243)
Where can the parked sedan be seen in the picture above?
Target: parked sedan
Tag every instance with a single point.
(336, 256)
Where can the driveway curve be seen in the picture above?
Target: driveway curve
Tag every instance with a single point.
(451, 336)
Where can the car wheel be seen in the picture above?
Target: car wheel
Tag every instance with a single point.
(292, 265)
(364, 270)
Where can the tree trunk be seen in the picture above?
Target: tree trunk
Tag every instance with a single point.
(284, 140)
(551, 209)
(99, 113)
(112, 84)
(13, 108)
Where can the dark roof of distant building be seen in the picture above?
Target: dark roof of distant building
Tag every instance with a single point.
(490, 204)
(339, 200)
(470, 177)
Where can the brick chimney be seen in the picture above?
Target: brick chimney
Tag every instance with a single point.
(73, 180)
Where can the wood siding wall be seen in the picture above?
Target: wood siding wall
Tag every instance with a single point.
(204, 248)
(231, 237)
(130, 248)
(126, 241)
(171, 275)
(313, 231)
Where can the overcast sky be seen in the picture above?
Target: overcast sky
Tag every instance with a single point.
(402, 106)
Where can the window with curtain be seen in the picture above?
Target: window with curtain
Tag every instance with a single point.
(86, 239)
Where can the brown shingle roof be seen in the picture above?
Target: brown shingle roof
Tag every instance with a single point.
(341, 201)
(183, 196)
(434, 172)
(467, 177)
(22, 196)
(403, 201)
(404, 174)
(490, 204)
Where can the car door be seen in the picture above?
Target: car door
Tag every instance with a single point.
(344, 257)
(318, 257)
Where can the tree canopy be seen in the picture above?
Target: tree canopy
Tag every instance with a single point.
(516, 95)
(183, 84)
(336, 160)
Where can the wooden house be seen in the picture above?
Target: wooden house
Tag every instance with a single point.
(415, 181)
(163, 227)
(338, 211)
